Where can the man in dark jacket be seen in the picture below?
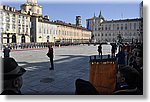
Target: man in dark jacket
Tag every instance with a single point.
(50, 55)
(113, 50)
(6, 52)
(100, 50)
(121, 57)
(129, 82)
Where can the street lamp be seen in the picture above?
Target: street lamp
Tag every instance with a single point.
(54, 41)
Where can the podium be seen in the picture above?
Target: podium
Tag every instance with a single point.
(103, 74)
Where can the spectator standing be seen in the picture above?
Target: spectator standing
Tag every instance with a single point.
(113, 50)
(6, 51)
(100, 50)
(12, 77)
(129, 82)
(50, 55)
(121, 57)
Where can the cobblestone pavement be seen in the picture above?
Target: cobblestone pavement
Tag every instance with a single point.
(70, 62)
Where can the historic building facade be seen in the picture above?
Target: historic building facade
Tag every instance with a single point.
(14, 24)
(29, 25)
(108, 31)
(44, 30)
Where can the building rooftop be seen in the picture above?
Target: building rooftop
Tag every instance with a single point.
(59, 22)
(13, 10)
(123, 20)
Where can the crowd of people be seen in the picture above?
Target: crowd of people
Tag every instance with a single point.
(129, 71)
(130, 64)
(132, 55)
(27, 45)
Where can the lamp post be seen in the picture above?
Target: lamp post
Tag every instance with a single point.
(54, 41)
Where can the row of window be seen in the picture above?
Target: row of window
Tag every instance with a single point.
(7, 19)
(23, 30)
(130, 26)
(9, 16)
(107, 39)
(125, 34)
(13, 27)
(19, 31)
(14, 15)
(50, 31)
(110, 39)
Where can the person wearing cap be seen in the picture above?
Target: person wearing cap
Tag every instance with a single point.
(129, 82)
(12, 77)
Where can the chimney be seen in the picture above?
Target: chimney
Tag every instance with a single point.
(78, 20)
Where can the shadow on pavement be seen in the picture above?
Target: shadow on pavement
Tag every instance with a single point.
(39, 79)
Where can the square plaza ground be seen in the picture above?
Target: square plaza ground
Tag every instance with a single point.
(70, 62)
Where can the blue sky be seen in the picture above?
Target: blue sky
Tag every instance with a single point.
(66, 11)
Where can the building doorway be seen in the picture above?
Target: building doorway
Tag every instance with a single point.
(23, 39)
(13, 38)
(47, 38)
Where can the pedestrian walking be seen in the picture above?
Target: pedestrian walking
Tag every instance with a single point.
(6, 52)
(100, 50)
(50, 55)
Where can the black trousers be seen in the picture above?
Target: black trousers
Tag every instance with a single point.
(100, 54)
(51, 61)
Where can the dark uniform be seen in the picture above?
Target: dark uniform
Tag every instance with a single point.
(100, 50)
(6, 52)
(113, 50)
(50, 55)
